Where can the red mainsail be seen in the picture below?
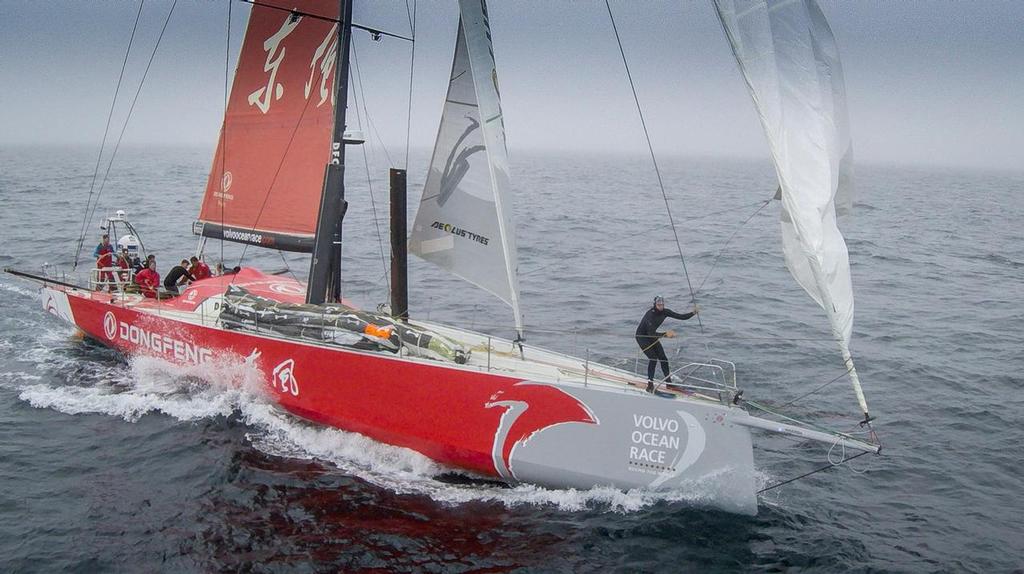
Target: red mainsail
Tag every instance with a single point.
(267, 176)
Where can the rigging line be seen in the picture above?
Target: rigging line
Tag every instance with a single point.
(412, 19)
(366, 112)
(287, 266)
(728, 241)
(106, 130)
(131, 109)
(277, 172)
(714, 213)
(612, 331)
(654, 160)
(353, 77)
(366, 163)
(412, 70)
(811, 425)
(633, 237)
(380, 140)
(805, 395)
(376, 32)
(224, 128)
(815, 471)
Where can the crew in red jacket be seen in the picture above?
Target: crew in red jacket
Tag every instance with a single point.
(198, 269)
(104, 260)
(148, 280)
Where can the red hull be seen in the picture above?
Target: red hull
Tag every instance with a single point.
(437, 410)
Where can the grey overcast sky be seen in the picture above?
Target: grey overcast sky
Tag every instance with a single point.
(932, 83)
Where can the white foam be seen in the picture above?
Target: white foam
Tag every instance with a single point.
(11, 378)
(31, 293)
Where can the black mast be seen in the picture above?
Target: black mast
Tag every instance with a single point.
(325, 267)
(399, 250)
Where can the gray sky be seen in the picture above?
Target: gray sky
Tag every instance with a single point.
(939, 83)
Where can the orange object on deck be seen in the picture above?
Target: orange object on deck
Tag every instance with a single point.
(376, 331)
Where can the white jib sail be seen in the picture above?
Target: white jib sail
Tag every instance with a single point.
(464, 222)
(788, 57)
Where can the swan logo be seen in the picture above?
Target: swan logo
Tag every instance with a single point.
(58, 307)
(284, 378)
(529, 409)
(51, 307)
(110, 325)
(457, 165)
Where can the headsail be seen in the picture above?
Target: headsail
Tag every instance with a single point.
(267, 176)
(464, 222)
(788, 57)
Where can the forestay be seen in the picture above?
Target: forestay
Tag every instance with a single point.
(464, 222)
(788, 57)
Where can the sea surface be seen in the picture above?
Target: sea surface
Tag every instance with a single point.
(108, 465)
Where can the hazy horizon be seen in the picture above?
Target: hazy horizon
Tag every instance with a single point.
(929, 84)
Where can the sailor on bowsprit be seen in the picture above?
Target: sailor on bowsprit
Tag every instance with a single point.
(649, 338)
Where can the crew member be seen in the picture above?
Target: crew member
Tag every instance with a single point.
(149, 259)
(124, 262)
(148, 280)
(178, 275)
(103, 247)
(104, 254)
(198, 269)
(648, 337)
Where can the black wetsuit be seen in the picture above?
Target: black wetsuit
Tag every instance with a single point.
(175, 275)
(647, 336)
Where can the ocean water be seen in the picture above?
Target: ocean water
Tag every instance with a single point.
(114, 465)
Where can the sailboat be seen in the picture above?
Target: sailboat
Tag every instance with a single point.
(496, 408)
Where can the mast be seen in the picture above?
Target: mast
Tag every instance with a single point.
(325, 266)
(399, 249)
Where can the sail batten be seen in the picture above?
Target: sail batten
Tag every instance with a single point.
(464, 221)
(267, 175)
(790, 63)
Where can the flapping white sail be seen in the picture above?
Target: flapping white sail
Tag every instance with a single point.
(788, 57)
(464, 222)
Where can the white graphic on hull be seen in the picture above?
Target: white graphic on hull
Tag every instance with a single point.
(154, 343)
(695, 442)
(284, 378)
(57, 305)
(513, 411)
(110, 325)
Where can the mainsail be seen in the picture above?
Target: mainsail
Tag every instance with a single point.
(464, 222)
(267, 176)
(788, 57)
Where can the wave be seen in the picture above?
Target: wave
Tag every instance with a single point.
(19, 290)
